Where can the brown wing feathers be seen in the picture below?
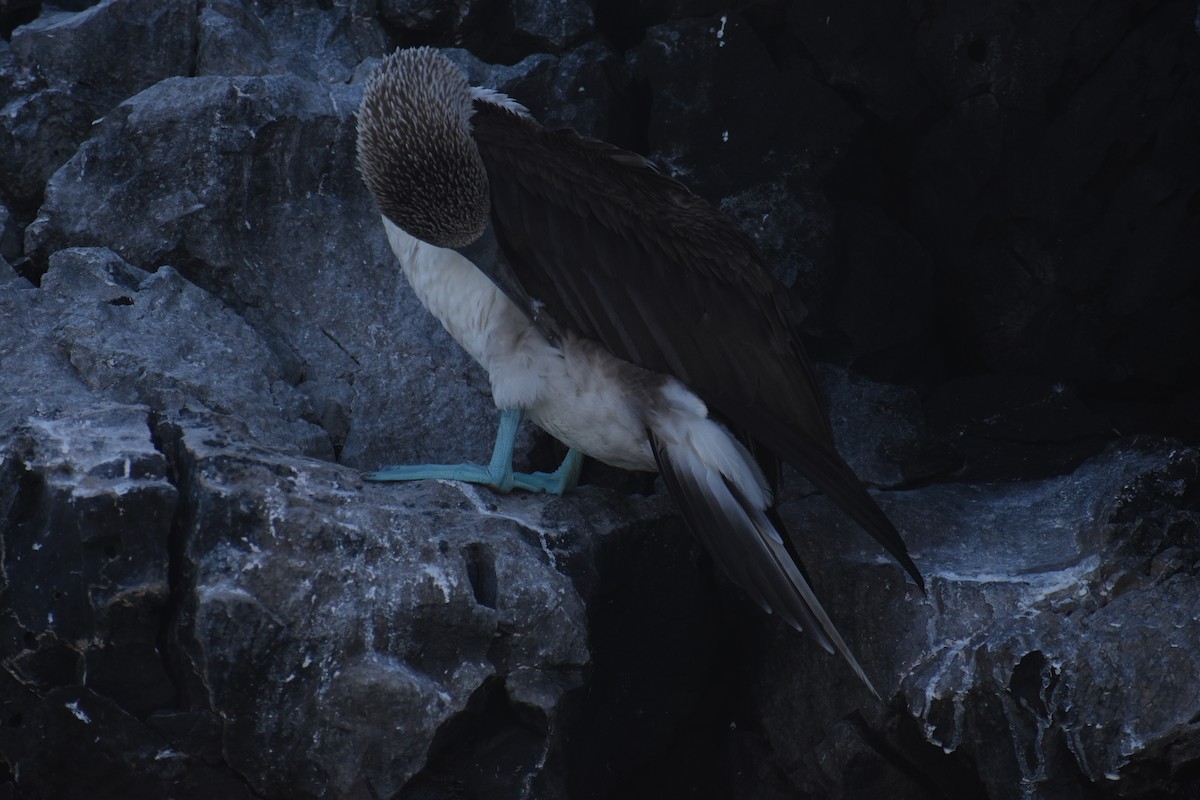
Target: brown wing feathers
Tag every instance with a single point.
(697, 303)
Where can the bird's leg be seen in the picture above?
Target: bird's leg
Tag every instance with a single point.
(560, 481)
(498, 474)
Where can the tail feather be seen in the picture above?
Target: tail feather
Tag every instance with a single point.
(741, 538)
(822, 465)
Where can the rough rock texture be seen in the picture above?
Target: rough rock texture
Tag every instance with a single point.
(66, 69)
(308, 39)
(991, 214)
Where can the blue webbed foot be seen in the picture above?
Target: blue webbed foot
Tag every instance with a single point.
(498, 474)
(561, 481)
(469, 473)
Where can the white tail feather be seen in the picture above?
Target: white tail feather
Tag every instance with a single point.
(684, 423)
(724, 497)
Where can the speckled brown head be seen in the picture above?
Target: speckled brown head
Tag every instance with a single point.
(415, 150)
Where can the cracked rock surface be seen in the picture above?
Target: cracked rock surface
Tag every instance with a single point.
(990, 213)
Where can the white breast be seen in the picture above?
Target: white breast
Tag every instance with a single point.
(571, 391)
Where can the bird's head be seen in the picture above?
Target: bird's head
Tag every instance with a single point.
(415, 150)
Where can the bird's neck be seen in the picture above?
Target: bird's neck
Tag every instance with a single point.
(470, 307)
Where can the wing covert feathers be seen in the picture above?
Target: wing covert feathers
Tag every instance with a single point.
(601, 243)
(581, 224)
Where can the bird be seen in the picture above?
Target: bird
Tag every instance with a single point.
(615, 309)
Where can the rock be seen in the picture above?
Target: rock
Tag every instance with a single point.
(626, 22)
(987, 212)
(169, 479)
(1076, 136)
(427, 16)
(10, 236)
(699, 118)
(77, 476)
(154, 340)
(334, 628)
(40, 131)
(70, 67)
(236, 223)
(230, 561)
(1015, 427)
(551, 26)
(574, 90)
(1044, 597)
(725, 117)
(18, 12)
(880, 430)
(310, 39)
(87, 595)
(498, 33)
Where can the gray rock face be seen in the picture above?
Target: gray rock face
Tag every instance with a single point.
(552, 26)
(102, 325)
(69, 68)
(309, 39)
(272, 264)
(206, 339)
(10, 236)
(1028, 660)
(164, 532)
(382, 615)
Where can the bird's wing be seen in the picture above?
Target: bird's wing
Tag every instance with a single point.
(604, 244)
(757, 557)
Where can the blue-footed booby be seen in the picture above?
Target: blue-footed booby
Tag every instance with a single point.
(620, 313)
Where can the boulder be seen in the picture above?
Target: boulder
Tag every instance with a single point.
(316, 41)
(67, 68)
